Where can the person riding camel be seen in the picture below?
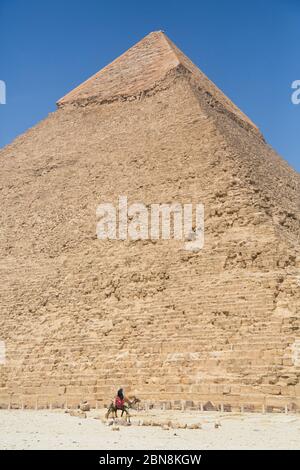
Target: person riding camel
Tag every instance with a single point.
(120, 400)
(121, 403)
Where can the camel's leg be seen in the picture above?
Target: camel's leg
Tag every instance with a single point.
(127, 414)
(110, 410)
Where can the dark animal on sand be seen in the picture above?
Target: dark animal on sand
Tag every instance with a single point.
(124, 408)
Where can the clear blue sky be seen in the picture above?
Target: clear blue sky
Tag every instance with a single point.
(250, 49)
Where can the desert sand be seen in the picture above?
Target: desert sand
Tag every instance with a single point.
(45, 429)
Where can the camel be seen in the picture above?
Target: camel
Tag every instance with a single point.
(125, 408)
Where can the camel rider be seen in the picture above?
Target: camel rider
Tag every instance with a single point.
(120, 400)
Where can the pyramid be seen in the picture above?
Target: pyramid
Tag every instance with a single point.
(81, 316)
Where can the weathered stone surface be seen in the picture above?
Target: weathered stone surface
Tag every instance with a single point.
(77, 414)
(85, 406)
(80, 317)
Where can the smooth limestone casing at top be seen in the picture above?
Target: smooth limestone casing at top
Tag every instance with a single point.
(80, 316)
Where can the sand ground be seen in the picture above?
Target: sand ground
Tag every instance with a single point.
(45, 429)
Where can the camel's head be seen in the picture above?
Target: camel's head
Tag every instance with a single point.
(134, 400)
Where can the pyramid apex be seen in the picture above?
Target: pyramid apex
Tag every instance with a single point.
(156, 31)
(139, 69)
(160, 31)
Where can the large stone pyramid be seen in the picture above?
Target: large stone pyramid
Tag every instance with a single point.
(80, 316)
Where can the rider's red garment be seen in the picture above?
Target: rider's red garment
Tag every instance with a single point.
(119, 403)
